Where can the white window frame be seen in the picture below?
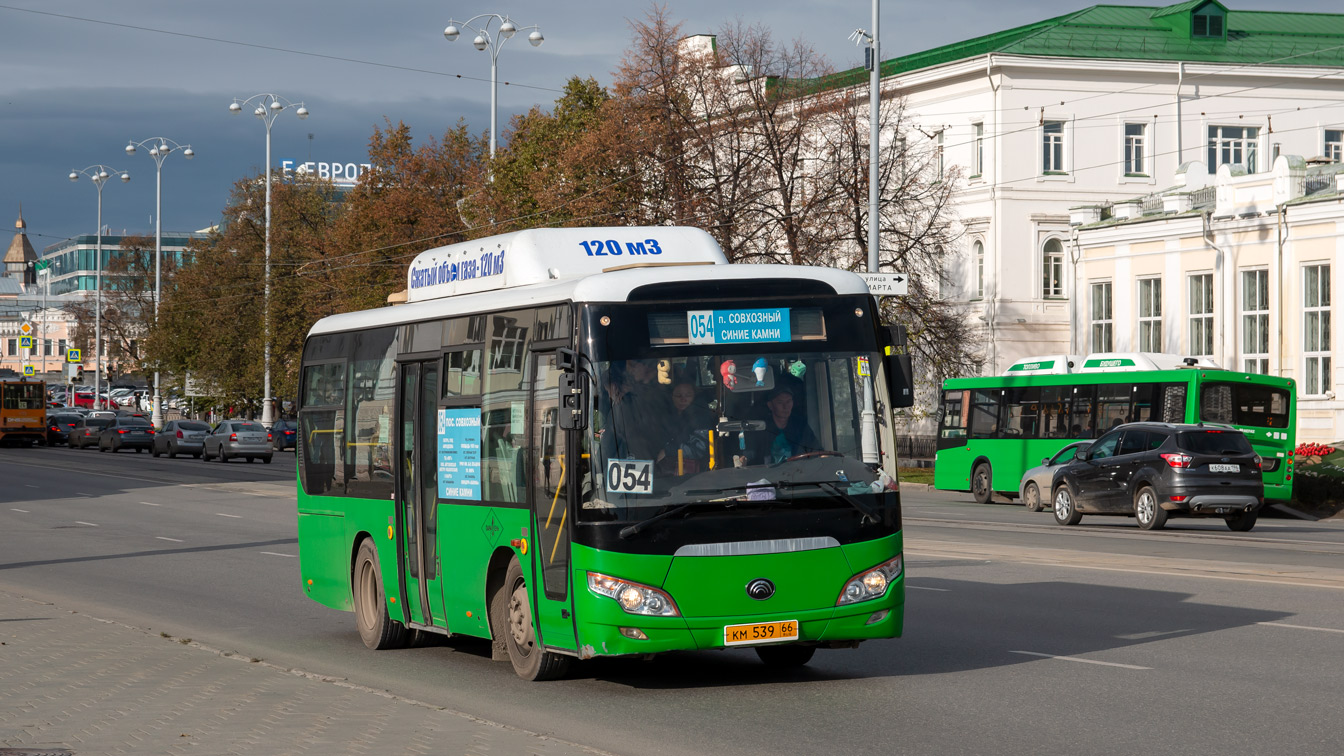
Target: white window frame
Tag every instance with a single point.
(1057, 260)
(1047, 145)
(938, 145)
(1149, 309)
(1247, 147)
(1102, 321)
(978, 260)
(1200, 333)
(1141, 167)
(1333, 149)
(978, 150)
(1316, 351)
(1255, 334)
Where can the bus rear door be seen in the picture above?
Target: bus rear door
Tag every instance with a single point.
(417, 492)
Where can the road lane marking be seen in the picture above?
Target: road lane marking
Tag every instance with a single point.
(30, 485)
(166, 538)
(926, 588)
(90, 524)
(221, 514)
(19, 510)
(1301, 627)
(272, 553)
(1076, 659)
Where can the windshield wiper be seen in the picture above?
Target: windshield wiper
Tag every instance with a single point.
(827, 485)
(630, 530)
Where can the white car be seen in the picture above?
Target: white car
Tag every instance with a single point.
(1040, 478)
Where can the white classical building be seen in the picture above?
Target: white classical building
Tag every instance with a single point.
(1236, 267)
(1099, 106)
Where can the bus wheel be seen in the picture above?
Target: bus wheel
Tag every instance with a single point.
(530, 661)
(1243, 522)
(1147, 512)
(1031, 498)
(981, 478)
(1065, 512)
(785, 657)
(376, 628)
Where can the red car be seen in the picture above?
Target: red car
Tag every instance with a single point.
(86, 400)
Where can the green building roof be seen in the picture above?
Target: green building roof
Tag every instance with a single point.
(1144, 33)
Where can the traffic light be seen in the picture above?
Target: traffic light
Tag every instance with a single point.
(79, 374)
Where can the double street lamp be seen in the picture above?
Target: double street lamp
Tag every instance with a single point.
(98, 174)
(159, 149)
(267, 108)
(492, 42)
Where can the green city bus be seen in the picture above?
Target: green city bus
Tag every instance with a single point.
(606, 442)
(991, 430)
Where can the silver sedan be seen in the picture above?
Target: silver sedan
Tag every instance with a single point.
(1040, 478)
(180, 437)
(238, 438)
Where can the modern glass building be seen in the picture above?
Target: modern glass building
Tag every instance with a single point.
(74, 260)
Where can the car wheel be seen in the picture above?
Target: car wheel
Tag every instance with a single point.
(1243, 522)
(223, 457)
(138, 450)
(154, 451)
(172, 452)
(981, 478)
(530, 660)
(1031, 497)
(1065, 511)
(1146, 510)
(376, 627)
(266, 459)
(197, 455)
(250, 460)
(101, 448)
(785, 657)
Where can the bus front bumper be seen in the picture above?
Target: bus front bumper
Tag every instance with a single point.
(838, 625)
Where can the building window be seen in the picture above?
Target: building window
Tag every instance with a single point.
(1150, 315)
(1136, 149)
(46, 347)
(1208, 22)
(978, 153)
(1334, 144)
(979, 250)
(1201, 315)
(13, 347)
(938, 140)
(1052, 277)
(1255, 321)
(61, 346)
(1316, 328)
(1233, 144)
(1102, 333)
(1053, 147)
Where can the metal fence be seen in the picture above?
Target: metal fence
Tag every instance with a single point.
(916, 447)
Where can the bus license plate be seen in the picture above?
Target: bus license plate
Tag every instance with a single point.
(1224, 468)
(760, 632)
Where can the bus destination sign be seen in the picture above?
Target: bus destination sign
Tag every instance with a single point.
(738, 326)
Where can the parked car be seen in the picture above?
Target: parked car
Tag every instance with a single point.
(237, 438)
(126, 433)
(1151, 471)
(86, 400)
(85, 433)
(1041, 477)
(59, 427)
(285, 434)
(180, 437)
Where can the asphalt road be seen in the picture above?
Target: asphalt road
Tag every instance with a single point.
(1021, 636)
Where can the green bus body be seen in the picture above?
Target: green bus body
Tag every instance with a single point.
(381, 461)
(1008, 415)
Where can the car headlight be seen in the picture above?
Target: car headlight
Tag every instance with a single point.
(870, 584)
(634, 598)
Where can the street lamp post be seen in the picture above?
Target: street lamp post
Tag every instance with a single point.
(486, 40)
(268, 108)
(873, 62)
(159, 149)
(98, 174)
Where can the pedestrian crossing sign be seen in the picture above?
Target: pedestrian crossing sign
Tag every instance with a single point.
(28, 371)
(72, 355)
(25, 342)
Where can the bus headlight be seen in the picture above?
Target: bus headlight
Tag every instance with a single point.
(634, 598)
(870, 584)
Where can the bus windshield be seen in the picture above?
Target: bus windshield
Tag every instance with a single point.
(24, 396)
(1244, 404)
(774, 429)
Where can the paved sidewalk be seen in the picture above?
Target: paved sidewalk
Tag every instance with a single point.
(91, 686)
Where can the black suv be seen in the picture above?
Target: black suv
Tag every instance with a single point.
(1152, 470)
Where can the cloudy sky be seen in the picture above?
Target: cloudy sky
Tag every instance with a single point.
(81, 78)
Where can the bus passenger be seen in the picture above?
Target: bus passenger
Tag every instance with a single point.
(688, 427)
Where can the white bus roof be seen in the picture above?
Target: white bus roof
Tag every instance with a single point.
(1050, 364)
(536, 256)
(611, 286)
(1106, 362)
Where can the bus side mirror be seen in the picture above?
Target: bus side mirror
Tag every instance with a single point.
(900, 370)
(573, 391)
(566, 360)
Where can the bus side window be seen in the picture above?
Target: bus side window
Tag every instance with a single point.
(1173, 403)
(1081, 416)
(986, 405)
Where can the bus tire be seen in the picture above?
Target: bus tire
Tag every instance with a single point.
(1146, 509)
(376, 627)
(1243, 522)
(1031, 497)
(982, 480)
(1066, 511)
(529, 659)
(785, 657)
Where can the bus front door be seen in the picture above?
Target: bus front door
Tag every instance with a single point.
(417, 492)
(550, 482)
